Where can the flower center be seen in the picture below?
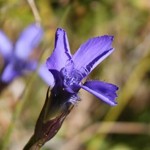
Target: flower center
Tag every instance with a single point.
(71, 76)
(18, 64)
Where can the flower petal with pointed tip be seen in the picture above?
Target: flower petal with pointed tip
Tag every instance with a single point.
(46, 75)
(9, 74)
(92, 52)
(28, 40)
(102, 90)
(61, 53)
(6, 46)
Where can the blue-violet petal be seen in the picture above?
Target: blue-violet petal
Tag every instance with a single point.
(61, 53)
(9, 74)
(28, 41)
(6, 46)
(102, 90)
(92, 52)
(46, 75)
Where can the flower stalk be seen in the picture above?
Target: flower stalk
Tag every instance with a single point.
(47, 129)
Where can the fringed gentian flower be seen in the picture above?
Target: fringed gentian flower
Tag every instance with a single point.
(64, 73)
(16, 56)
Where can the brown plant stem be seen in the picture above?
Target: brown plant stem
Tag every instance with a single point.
(44, 131)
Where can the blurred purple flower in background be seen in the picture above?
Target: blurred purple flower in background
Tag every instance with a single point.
(64, 72)
(16, 56)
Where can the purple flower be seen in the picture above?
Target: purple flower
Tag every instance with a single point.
(64, 72)
(16, 61)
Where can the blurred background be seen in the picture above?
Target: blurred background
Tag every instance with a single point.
(92, 125)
